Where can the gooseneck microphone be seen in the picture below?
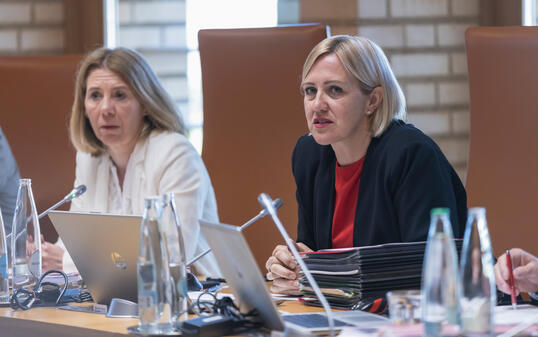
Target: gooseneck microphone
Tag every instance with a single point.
(276, 205)
(75, 193)
(267, 204)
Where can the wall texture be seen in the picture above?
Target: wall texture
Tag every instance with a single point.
(424, 41)
(31, 27)
(157, 30)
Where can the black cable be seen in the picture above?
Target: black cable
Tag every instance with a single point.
(64, 289)
(205, 306)
(26, 298)
(226, 307)
(23, 299)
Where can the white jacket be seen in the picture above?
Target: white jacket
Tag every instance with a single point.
(163, 163)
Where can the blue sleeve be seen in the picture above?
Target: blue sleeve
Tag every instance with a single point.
(9, 182)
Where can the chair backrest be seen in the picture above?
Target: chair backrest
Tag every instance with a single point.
(253, 116)
(503, 157)
(36, 94)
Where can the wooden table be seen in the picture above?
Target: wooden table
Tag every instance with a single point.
(45, 322)
(53, 322)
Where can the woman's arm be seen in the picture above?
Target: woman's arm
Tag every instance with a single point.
(424, 179)
(183, 173)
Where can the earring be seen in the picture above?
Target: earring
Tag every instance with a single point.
(368, 112)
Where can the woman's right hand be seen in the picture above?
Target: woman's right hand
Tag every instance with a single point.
(525, 271)
(283, 269)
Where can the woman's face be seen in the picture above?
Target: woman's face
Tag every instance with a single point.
(335, 107)
(115, 114)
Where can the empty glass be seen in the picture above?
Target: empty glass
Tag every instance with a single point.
(154, 287)
(477, 275)
(25, 239)
(404, 306)
(171, 229)
(440, 281)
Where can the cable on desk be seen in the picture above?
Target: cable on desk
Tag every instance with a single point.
(226, 307)
(47, 294)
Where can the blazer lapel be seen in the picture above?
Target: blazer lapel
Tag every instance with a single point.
(324, 192)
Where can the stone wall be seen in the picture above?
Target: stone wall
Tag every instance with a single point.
(31, 27)
(157, 30)
(423, 39)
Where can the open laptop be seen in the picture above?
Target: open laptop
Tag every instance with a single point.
(241, 272)
(104, 248)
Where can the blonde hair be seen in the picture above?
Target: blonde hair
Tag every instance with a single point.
(365, 60)
(132, 68)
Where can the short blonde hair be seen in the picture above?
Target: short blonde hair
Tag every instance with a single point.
(365, 60)
(132, 68)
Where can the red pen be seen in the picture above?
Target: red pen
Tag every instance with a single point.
(511, 279)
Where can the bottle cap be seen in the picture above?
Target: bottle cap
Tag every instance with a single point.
(440, 211)
(165, 198)
(150, 200)
(477, 210)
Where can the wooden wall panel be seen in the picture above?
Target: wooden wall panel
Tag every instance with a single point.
(84, 23)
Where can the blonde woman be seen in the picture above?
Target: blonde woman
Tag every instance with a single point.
(363, 175)
(131, 144)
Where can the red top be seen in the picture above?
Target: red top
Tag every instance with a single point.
(346, 185)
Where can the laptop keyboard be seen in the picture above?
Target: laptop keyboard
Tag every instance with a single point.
(311, 321)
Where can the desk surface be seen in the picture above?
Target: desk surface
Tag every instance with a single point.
(52, 322)
(45, 322)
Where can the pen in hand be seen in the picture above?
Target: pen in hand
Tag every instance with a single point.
(511, 279)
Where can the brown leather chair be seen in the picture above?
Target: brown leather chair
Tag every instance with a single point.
(503, 158)
(253, 116)
(36, 94)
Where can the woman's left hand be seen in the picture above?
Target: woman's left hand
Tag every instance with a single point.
(283, 270)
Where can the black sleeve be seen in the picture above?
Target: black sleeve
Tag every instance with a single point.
(424, 179)
(302, 172)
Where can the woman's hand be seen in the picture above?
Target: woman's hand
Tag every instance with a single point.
(283, 270)
(525, 268)
(52, 256)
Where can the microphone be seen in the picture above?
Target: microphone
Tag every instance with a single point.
(75, 193)
(267, 204)
(276, 205)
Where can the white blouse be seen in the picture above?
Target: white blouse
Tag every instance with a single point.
(164, 162)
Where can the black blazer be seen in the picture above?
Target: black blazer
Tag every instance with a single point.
(404, 176)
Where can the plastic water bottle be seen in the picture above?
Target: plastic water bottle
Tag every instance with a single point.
(154, 291)
(25, 239)
(4, 275)
(171, 229)
(479, 295)
(440, 281)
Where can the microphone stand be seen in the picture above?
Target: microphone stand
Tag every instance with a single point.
(267, 203)
(75, 193)
(53, 207)
(276, 204)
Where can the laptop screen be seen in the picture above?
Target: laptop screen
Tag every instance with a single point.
(104, 248)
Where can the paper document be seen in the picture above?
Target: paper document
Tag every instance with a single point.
(505, 315)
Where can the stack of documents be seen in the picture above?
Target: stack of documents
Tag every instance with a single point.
(347, 276)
